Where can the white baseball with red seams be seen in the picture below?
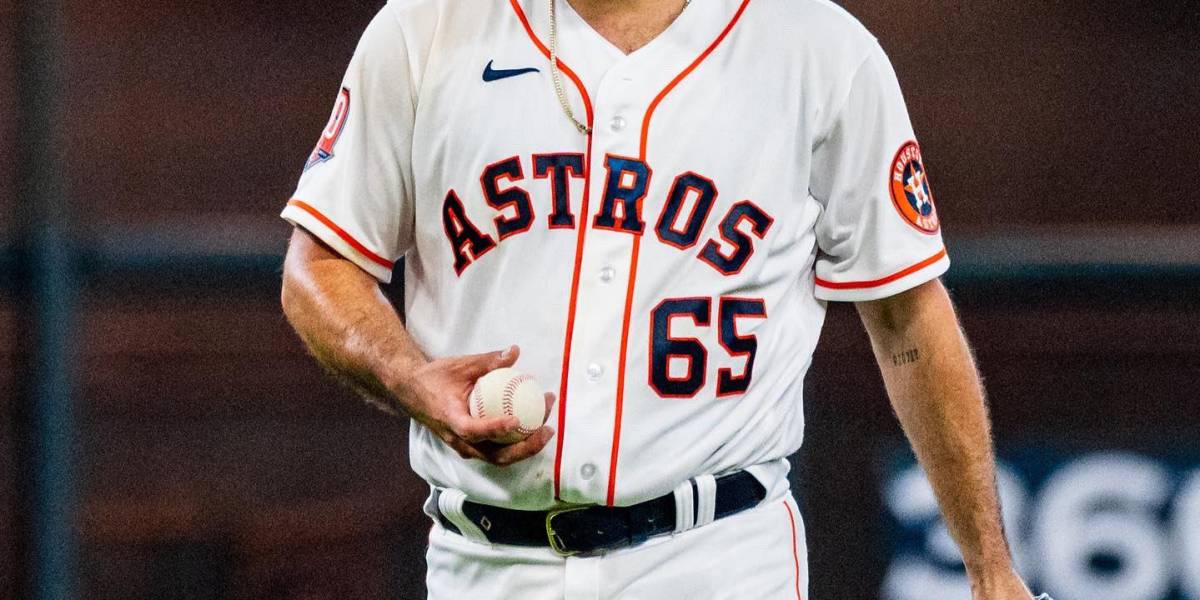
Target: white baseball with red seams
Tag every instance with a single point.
(509, 392)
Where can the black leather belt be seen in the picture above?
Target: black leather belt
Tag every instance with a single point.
(592, 528)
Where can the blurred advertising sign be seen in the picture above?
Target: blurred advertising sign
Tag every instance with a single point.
(1095, 525)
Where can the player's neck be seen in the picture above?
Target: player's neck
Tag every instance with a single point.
(628, 24)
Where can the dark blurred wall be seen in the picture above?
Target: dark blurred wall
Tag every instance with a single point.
(8, 107)
(1042, 113)
(183, 109)
(217, 456)
(7, 337)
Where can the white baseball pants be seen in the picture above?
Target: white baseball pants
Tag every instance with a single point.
(757, 554)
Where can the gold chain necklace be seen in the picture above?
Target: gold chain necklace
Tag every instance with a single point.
(554, 75)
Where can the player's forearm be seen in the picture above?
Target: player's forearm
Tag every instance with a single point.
(346, 322)
(931, 379)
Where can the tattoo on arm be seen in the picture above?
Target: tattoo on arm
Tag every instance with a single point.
(911, 355)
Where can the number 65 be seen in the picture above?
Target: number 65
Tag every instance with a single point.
(664, 347)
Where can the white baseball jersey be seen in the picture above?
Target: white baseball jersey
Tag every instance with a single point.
(665, 274)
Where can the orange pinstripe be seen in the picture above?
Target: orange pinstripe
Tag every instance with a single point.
(858, 285)
(349, 239)
(795, 548)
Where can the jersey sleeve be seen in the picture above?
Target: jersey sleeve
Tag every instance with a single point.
(356, 191)
(878, 233)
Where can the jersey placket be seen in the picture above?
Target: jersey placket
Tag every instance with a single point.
(600, 305)
(596, 418)
(591, 374)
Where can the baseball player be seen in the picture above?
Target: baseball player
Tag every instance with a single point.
(646, 204)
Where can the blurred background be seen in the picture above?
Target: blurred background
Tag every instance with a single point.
(166, 435)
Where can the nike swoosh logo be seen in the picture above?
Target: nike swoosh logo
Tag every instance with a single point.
(490, 74)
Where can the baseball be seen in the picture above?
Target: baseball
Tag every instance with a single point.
(508, 391)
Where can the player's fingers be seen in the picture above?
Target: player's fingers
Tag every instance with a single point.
(463, 449)
(477, 365)
(472, 430)
(549, 405)
(506, 358)
(512, 453)
(467, 451)
(499, 360)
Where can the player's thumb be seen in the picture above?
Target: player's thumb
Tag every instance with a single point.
(490, 361)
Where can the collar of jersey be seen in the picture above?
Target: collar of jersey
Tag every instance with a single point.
(591, 55)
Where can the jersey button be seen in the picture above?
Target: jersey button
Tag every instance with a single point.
(594, 371)
(607, 274)
(617, 123)
(587, 471)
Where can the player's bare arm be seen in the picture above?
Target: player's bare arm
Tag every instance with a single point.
(351, 328)
(932, 382)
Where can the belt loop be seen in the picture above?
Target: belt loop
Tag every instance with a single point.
(685, 517)
(450, 504)
(706, 492)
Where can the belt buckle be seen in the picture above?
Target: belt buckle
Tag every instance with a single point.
(556, 543)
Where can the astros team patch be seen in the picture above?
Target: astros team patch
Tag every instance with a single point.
(333, 130)
(910, 189)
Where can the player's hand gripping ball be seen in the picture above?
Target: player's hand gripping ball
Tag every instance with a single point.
(509, 392)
